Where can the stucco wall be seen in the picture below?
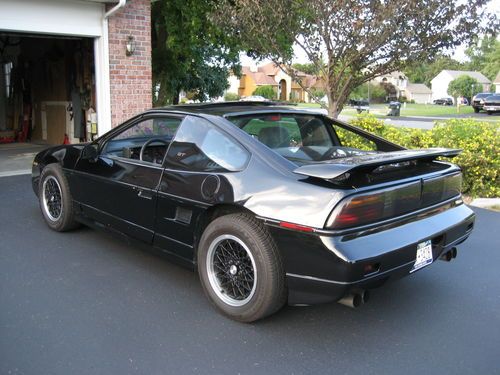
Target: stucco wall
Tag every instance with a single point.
(130, 76)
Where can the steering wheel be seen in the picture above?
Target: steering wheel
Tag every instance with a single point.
(147, 143)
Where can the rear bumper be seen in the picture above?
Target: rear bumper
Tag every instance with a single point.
(323, 268)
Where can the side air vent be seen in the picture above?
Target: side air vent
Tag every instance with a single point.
(183, 215)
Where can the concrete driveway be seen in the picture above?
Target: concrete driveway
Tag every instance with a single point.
(16, 158)
(84, 302)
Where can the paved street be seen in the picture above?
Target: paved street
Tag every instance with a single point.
(86, 303)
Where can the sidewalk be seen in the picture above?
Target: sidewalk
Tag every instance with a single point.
(16, 158)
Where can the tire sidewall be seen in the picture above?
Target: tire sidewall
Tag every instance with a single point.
(222, 226)
(65, 219)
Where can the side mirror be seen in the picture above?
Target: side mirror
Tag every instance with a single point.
(90, 152)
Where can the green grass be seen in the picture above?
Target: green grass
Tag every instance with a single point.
(380, 110)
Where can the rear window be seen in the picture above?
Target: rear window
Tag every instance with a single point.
(297, 137)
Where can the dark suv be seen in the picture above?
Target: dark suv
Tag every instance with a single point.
(443, 101)
(478, 100)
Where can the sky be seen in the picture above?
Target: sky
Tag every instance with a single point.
(300, 56)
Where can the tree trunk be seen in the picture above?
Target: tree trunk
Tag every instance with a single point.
(175, 99)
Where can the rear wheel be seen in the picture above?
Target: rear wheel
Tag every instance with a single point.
(240, 268)
(489, 112)
(55, 199)
(476, 110)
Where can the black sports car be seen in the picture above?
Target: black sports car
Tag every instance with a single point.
(270, 204)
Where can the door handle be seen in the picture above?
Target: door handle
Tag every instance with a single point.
(144, 194)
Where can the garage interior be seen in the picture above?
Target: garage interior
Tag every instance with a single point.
(47, 89)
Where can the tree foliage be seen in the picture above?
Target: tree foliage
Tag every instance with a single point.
(484, 55)
(267, 91)
(464, 86)
(190, 53)
(425, 71)
(351, 42)
(308, 68)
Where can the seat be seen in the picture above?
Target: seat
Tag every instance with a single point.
(315, 134)
(274, 137)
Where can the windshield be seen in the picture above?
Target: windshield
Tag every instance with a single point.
(300, 138)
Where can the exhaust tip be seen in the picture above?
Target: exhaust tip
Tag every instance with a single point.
(449, 255)
(352, 300)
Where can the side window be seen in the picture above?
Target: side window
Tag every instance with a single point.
(200, 146)
(153, 135)
(353, 140)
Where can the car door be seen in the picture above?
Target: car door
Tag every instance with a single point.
(119, 187)
(198, 165)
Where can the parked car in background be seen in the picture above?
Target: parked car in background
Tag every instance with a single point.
(492, 104)
(254, 98)
(269, 204)
(478, 100)
(443, 101)
(360, 105)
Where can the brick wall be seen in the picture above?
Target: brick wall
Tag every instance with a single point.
(130, 76)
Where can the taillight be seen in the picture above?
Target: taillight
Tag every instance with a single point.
(372, 207)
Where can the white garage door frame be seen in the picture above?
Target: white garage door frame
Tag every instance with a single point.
(67, 18)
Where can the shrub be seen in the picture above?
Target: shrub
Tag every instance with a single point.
(267, 91)
(231, 96)
(480, 142)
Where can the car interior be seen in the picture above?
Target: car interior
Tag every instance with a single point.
(299, 138)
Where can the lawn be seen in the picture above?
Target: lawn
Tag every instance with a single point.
(380, 110)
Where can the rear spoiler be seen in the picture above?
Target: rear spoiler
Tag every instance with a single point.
(333, 169)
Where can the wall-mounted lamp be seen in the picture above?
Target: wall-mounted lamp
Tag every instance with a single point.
(130, 47)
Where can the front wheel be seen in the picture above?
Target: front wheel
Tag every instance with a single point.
(489, 112)
(240, 268)
(55, 199)
(476, 110)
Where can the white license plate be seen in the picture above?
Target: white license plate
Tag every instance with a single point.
(424, 255)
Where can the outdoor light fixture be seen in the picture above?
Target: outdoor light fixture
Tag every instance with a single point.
(130, 47)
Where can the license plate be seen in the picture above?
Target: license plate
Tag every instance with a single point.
(424, 255)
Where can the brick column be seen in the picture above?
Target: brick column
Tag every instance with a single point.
(130, 76)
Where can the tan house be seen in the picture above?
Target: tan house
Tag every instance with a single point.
(272, 75)
(418, 92)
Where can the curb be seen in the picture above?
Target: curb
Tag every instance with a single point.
(485, 202)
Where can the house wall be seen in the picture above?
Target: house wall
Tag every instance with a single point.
(130, 76)
(439, 85)
(247, 86)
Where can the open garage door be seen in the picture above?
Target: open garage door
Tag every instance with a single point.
(47, 88)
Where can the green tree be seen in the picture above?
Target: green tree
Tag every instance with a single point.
(377, 92)
(351, 42)
(308, 68)
(190, 53)
(425, 71)
(464, 86)
(267, 91)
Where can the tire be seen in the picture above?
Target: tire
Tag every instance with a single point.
(489, 112)
(476, 110)
(55, 199)
(240, 268)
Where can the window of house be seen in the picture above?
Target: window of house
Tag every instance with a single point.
(200, 146)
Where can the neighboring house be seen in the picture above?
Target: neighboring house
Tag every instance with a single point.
(418, 92)
(496, 82)
(271, 75)
(75, 67)
(439, 84)
(396, 79)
